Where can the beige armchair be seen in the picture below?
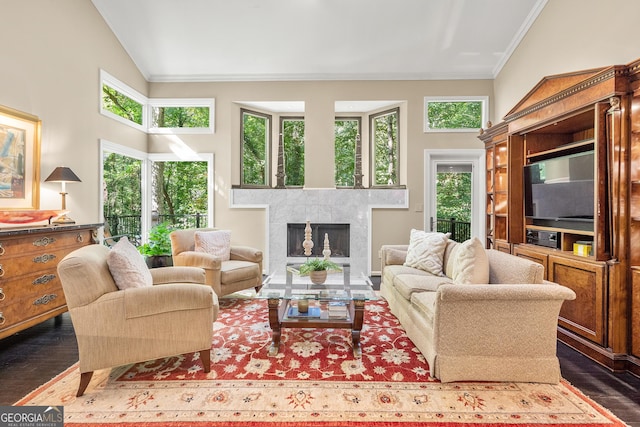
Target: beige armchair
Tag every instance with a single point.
(242, 271)
(116, 327)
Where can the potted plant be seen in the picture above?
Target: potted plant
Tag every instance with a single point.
(157, 251)
(317, 269)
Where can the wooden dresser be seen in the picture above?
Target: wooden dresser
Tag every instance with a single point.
(30, 290)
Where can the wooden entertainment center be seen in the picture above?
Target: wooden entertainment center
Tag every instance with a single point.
(563, 115)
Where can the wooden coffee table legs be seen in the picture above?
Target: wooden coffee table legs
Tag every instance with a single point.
(275, 319)
(358, 319)
(277, 310)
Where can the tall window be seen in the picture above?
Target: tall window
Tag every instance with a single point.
(122, 195)
(292, 131)
(385, 147)
(455, 114)
(256, 143)
(346, 130)
(180, 193)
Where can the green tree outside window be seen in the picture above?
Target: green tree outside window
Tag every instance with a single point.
(292, 130)
(121, 105)
(345, 132)
(454, 114)
(256, 131)
(180, 117)
(385, 144)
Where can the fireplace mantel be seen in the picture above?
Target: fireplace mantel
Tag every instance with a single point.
(351, 206)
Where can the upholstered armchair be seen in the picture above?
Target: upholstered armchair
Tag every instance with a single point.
(240, 269)
(172, 315)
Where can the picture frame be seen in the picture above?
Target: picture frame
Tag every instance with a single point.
(20, 135)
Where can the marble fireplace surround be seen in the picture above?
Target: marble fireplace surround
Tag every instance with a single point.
(350, 206)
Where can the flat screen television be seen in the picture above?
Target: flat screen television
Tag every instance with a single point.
(561, 190)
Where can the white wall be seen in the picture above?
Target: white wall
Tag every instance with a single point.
(569, 35)
(51, 55)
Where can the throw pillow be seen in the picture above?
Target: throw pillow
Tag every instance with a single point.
(426, 251)
(217, 243)
(127, 266)
(470, 263)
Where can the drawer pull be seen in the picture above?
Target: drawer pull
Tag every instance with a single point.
(1, 249)
(44, 241)
(1, 271)
(44, 258)
(45, 278)
(79, 238)
(45, 299)
(2, 295)
(2, 319)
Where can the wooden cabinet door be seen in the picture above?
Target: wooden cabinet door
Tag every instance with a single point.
(586, 314)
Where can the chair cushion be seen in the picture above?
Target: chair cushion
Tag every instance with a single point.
(236, 271)
(470, 263)
(407, 284)
(216, 243)
(425, 303)
(426, 251)
(127, 266)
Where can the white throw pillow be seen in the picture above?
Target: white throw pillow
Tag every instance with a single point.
(426, 251)
(470, 263)
(127, 266)
(217, 243)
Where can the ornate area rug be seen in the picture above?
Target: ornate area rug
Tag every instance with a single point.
(313, 381)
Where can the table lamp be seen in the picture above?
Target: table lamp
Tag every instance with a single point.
(63, 175)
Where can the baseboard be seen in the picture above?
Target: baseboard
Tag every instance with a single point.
(613, 361)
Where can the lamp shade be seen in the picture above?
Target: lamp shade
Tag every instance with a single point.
(62, 174)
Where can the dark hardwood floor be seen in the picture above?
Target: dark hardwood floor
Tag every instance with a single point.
(32, 357)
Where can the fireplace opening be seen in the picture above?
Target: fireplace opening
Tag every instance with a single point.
(338, 235)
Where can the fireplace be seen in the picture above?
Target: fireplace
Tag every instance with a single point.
(338, 235)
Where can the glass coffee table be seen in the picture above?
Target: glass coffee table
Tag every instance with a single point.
(295, 302)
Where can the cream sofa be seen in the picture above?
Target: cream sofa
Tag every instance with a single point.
(505, 330)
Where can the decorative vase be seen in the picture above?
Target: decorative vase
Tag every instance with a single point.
(303, 305)
(318, 276)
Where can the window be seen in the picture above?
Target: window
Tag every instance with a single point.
(455, 114)
(346, 131)
(179, 193)
(256, 143)
(292, 131)
(121, 102)
(140, 190)
(155, 115)
(385, 141)
(181, 115)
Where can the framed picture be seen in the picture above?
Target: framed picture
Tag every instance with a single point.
(19, 160)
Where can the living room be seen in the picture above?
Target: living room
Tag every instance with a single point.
(58, 49)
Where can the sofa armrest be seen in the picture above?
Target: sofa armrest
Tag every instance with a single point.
(392, 255)
(493, 328)
(496, 292)
(197, 259)
(246, 253)
(177, 274)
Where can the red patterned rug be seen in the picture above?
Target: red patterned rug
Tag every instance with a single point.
(313, 381)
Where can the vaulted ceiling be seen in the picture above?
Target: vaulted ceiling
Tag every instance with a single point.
(268, 40)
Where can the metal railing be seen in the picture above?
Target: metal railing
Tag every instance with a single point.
(460, 230)
(130, 225)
